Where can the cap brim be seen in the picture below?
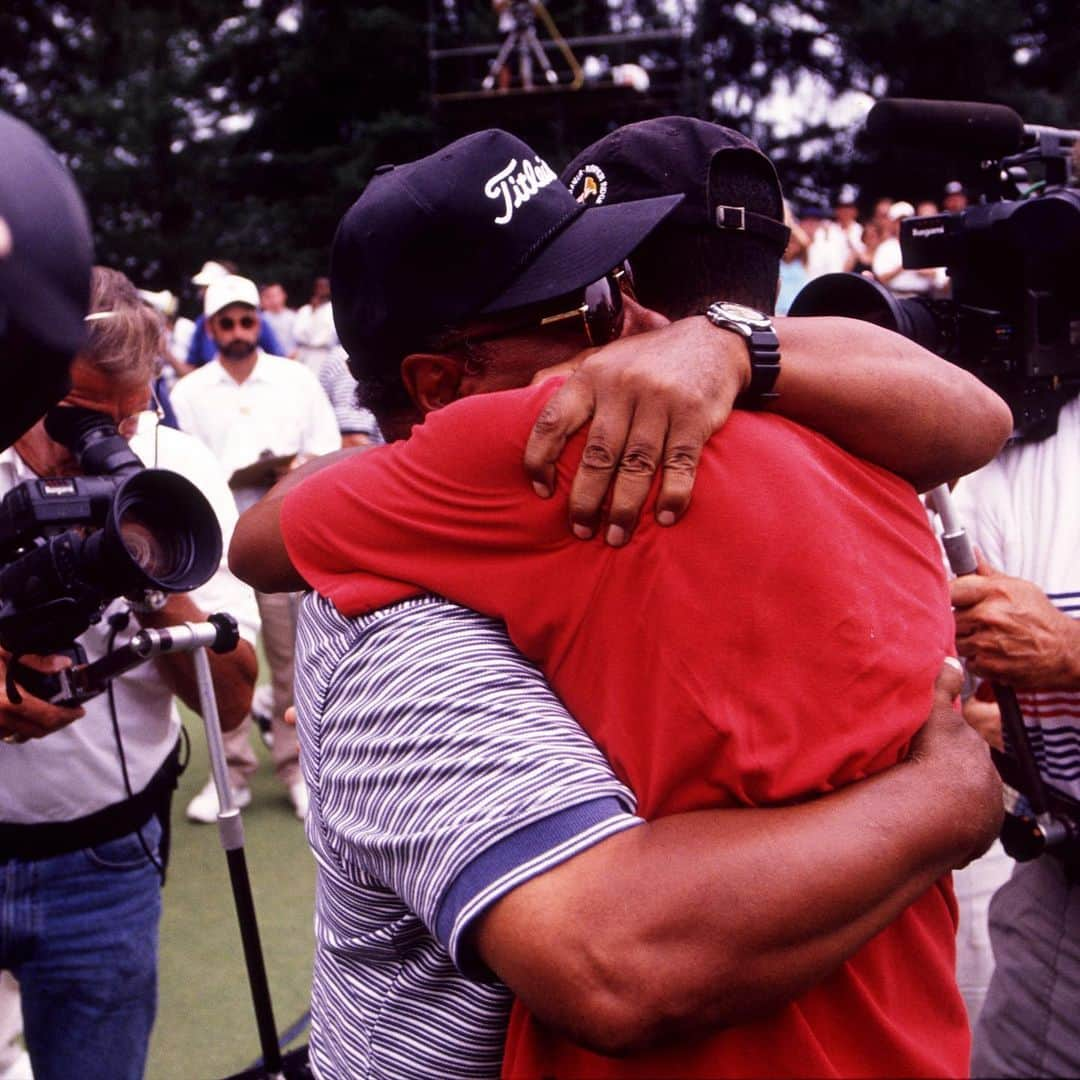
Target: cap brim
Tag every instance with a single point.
(595, 242)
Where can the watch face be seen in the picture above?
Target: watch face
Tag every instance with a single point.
(743, 313)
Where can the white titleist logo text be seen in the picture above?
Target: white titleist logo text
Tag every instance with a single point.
(514, 189)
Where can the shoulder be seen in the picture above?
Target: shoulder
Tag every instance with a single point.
(196, 382)
(286, 372)
(485, 423)
(172, 449)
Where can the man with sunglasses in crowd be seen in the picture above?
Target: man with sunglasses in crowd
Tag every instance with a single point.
(250, 407)
(461, 818)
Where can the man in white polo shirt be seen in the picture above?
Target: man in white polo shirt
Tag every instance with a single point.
(259, 414)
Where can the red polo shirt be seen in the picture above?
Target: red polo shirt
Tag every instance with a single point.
(779, 642)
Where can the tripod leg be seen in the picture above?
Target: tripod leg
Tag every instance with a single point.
(231, 830)
(500, 60)
(525, 60)
(541, 56)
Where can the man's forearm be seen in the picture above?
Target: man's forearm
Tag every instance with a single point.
(713, 918)
(257, 553)
(886, 399)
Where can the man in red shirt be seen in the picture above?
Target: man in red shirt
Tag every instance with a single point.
(703, 660)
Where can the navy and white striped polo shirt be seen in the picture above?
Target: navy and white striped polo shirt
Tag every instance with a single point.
(443, 772)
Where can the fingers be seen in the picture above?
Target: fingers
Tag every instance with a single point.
(985, 718)
(634, 476)
(983, 565)
(970, 589)
(949, 680)
(34, 719)
(603, 453)
(682, 452)
(564, 414)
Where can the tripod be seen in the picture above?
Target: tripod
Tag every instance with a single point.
(522, 37)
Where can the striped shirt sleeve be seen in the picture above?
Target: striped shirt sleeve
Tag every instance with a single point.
(445, 769)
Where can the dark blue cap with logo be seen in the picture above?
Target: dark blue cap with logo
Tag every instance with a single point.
(482, 226)
(680, 154)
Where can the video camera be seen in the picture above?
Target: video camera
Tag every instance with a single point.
(1013, 318)
(71, 545)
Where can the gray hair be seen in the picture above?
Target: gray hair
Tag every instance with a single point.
(124, 335)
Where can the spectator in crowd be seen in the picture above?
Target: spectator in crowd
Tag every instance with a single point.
(258, 414)
(954, 198)
(357, 425)
(84, 813)
(881, 211)
(837, 243)
(888, 264)
(202, 348)
(278, 315)
(872, 235)
(926, 208)
(316, 336)
(793, 263)
(329, 634)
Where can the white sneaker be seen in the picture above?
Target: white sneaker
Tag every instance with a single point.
(298, 796)
(204, 807)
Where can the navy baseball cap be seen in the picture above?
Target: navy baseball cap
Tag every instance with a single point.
(45, 259)
(679, 154)
(482, 226)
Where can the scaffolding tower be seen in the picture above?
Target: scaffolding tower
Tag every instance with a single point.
(527, 77)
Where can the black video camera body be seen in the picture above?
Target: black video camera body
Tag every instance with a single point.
(1013, 317)
(69, 546)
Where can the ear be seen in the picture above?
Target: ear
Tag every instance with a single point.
(432, 380)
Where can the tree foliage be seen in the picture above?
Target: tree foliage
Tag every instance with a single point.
(199, 129)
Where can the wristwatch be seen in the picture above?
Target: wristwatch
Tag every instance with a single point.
(757, 331)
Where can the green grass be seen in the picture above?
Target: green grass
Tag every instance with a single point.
(206, 1026)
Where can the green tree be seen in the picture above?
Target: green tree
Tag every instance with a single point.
(332, 90)
(116, 89)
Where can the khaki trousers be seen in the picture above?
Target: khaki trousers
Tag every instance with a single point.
(278, 614)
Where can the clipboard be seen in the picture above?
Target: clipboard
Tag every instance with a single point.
(264, 471)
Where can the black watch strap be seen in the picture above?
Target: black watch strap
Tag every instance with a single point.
(764, 349)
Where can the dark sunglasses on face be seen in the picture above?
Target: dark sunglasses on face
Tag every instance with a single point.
(601, 311)
(245, 322)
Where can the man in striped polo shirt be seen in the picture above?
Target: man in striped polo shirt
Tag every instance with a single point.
(448, 786)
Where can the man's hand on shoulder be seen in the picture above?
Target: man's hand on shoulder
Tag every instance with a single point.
(654, 399)
(32, 718)
(1009, 631)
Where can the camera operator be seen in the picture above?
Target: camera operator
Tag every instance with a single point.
(1016, 625)
(45, 256)
(84, 813)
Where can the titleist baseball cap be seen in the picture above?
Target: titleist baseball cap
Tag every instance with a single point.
(679, 154)
(482, 226)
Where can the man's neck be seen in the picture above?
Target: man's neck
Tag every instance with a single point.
(240, 369)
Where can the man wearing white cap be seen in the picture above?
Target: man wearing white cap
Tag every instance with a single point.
(888, 265)
(259, 413)
(201, 347)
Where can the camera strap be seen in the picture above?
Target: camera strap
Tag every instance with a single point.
(45, 840)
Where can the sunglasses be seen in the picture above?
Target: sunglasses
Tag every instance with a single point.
(601, 311)
(245, 322)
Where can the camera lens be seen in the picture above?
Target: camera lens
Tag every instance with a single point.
(155, 555)
(164, 534)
